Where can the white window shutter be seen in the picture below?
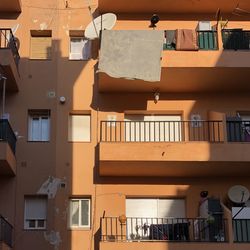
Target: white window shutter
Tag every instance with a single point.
(34, 129)
(44, 128)
(80, 49)
(35, 209)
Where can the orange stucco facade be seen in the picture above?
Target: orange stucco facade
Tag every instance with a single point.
(211, 83)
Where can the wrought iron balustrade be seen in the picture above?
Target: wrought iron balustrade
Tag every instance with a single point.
(6, 231)
(241, 230)
(7, 40)
(161, 131)
(7, 134)
(236, 39)
(163, 229)
(238, 131)
(207, 39)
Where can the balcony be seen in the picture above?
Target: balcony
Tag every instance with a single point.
(241, 229)
(178, 230)
(7, 149)
(6, 233)
(9, 59)
(210, 68)
(170, 7)
(10, 6)
(173, 148)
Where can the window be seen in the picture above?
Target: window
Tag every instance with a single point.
(79, 128)
(156, 212)
(35, 213)
(80, 47)
(80, 213)
(40, 44)
(39, 125)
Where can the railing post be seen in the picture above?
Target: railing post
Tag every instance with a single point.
(101, 237)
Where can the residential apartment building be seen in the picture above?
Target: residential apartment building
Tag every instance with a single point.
(134, 138)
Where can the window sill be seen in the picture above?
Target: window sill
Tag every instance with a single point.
(39, 141)
(79, 228)
(79, 141)
(34, 229)
(84, 60)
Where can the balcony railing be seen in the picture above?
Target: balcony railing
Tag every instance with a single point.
(236, 39)
(238, 131)
(207, 40)
(6, 231)
(161, 131)
(7, 40)
(7, 134)
(114, 229)
(241, 229)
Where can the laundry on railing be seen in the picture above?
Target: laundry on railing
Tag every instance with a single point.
(186, 39)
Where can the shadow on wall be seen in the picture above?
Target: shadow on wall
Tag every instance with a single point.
(43, 160)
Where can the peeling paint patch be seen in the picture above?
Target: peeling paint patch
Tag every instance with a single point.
(34, 20)
(53, 238)
(50, 187)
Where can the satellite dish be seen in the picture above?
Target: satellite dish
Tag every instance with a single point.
(13, 30)
(238, 194)
(103, 22)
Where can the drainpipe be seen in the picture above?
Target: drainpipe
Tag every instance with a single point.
(3, 94)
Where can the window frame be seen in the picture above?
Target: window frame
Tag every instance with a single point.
(41, 115)
(79, 34)
(26, 221)
(40, 34)
(79, 226)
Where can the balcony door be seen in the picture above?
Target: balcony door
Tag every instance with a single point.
(145, 216)
(153, 128)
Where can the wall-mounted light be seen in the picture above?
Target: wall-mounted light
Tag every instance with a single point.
(62, 99)
(154, 20)
(157, 96)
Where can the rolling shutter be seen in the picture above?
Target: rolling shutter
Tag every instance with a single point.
(40, 48)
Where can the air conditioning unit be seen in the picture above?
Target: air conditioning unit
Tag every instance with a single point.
(204, 25)
(196, 121)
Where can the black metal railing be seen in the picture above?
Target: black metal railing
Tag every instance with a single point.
(6, 231)
(207, 40)
(163, 229)
(161, 131)
(241, 230)
(238, 131)
(7, 134)
(7, 40)
(236, 39)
